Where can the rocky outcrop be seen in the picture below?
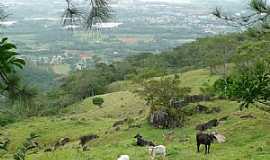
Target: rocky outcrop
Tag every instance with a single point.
(160, 119)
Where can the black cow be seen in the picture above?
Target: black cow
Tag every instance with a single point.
(142, 142)
(206, 139)
(87, 138)
(208, 125)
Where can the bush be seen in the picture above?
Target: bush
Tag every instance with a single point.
(98, 101)
(208, 90)
(6, 119)
(158, 94)
(26, 146)
(248, 84)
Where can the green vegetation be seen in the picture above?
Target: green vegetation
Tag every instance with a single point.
(80, 117)
(8, 64)
(158, 95)
(6, 119)
(82, 84)
(22, 151)
(233, 69)
(248, 84)
(98, 101)
(41, 77)
(85, 118)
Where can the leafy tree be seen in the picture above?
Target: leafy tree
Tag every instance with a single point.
(41, 77)
(251, 51)
(10, 82)
(9, 63)
(27, 101)
(248, 84)
(159, 92)
(218, 51)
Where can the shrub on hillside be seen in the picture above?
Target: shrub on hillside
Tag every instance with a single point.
(6, 119)
(208, 90)
(247, 84)
(98, 101)
(158, 93)
(29, 144)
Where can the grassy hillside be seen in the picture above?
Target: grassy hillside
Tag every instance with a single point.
(246, 138)
(194, 79)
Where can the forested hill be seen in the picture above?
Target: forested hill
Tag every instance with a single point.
(212, 52)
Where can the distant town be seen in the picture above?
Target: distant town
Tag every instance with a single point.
(76, 61)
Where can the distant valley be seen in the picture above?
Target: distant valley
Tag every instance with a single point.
(137, 26)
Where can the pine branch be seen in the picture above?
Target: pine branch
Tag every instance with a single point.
(95, 11)
(3, 14)
(260, 15)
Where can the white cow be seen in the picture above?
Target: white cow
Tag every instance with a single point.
(220, 138)
(157, 150)
(123, 157)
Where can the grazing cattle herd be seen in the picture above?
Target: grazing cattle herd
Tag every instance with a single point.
(202, 137)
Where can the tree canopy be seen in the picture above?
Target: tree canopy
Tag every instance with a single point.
(249, 83)
(9, 63)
